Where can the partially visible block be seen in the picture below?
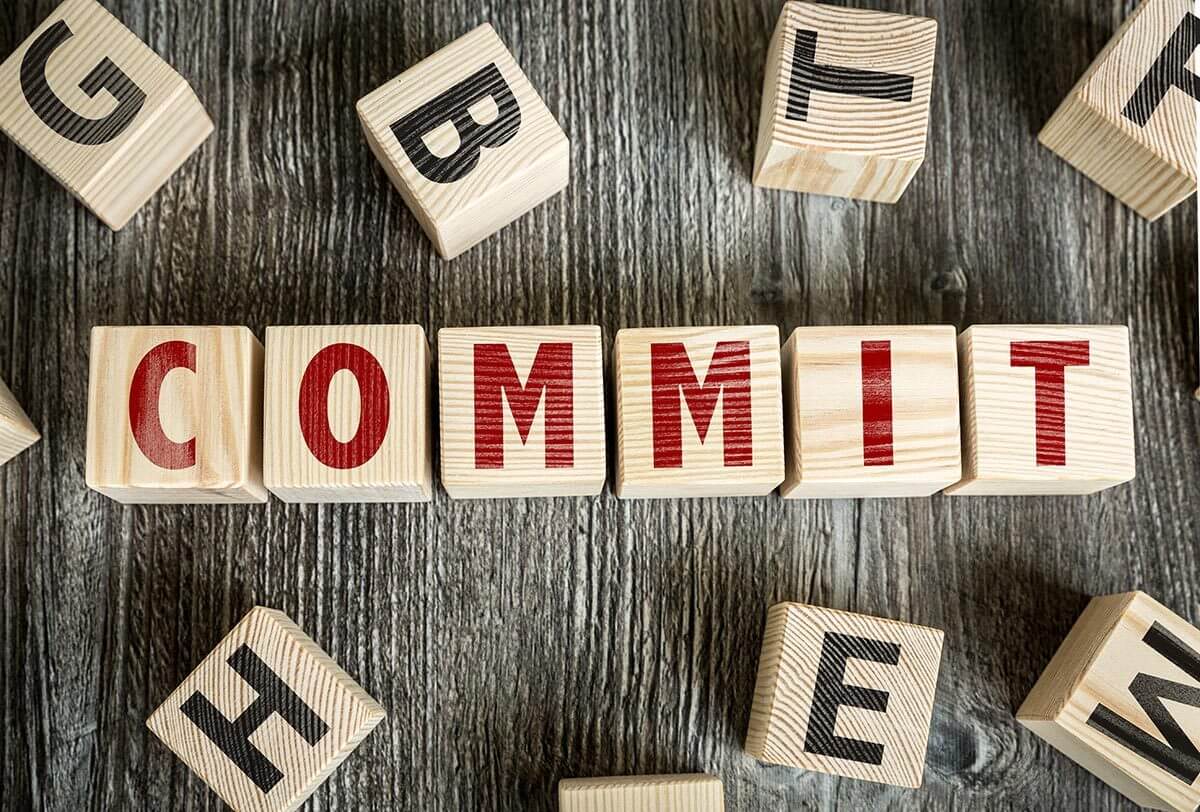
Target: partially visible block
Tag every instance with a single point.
(99, 110)
(845, 694)
(1121, 698)
(267, 716)
(845, 107)
(651, 793)
(467, 141)
(347, 414)
(1130, 122)
(522, 411)
(17, 431)
(1046, 410)
(871, 411)
(699, 412)
(175, 415)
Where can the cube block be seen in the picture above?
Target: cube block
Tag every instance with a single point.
(347, 415)
(649, 793)
(522, 411)
(1121, 698)
(99, 110)
(1046, 410)
(17, 431)
(845, 107)
(845, 694)
(1130, 122)
(699, 412)
(266, 717)
(467, 141)
(871, 411)
(175, 415)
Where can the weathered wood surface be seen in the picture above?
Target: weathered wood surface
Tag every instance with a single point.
(517, 643)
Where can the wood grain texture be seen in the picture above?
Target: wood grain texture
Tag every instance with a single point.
(17, 431)
(375, 436)
(518, 643)
(867, 144)
(832, 450)
(646, 793)
(792, 698)
(114, 174)
(1150, 165)
(346, 714)
(1097, 665)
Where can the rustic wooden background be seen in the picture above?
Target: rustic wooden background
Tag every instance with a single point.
(517, 643)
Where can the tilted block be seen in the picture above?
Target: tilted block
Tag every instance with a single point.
(1121, 698)
(845, 107)
(175, 415)
(845, 694)
(99, 110)
(522, 411)
(1046, 410)
(266, 717)
(699, 412)
(871, 411)
(1130, 122)
(649, 793)
(467, 141)
(347, 414)
(17, 431)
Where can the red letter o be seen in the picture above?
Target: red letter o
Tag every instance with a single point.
(374, 411)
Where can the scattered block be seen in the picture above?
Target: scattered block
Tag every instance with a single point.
(676, 793)
(845, 694)
(1047, 410)
(467, 141)
(266, 717)
(871, 411)
(1120, 698)
(845, 107)
(347, 414)
(699, 412)
(17, 431)
(99, 110)
(522, 411)
(1130, 122)
(175, 415)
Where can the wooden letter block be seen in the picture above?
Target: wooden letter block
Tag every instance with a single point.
(871, 411)
(1121, 698)
(266, 717)
(845, 694)
(1046, 410)
(651, 793)
(699, 412)
(522, 411)
(347, 414)
(467, 141)
(99, 110)
(175, 415)
(845, 107)
(17, 431)
(1130, 122)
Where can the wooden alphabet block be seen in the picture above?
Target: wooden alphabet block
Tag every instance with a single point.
(1046, 410)
(175, 415)
(699, 412)
(17, 431)
(99, 110)
(871, 411)
(1130, 122)
(845, 694)
(467, 141)
(522, 411)
(347, 414)
(266, 717)
(845, 107)
(1121, 698)
(650, 793)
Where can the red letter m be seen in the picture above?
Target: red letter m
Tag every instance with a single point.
(672, 375)
(496, 379)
